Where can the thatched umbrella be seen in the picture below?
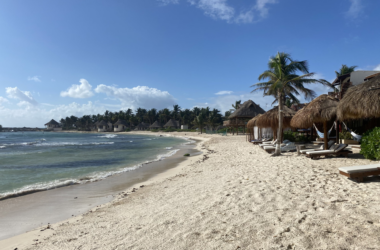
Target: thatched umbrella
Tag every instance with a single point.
(321, 110)
(361, 101)
(155, 125)
(270, 118)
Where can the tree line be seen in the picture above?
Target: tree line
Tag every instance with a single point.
(196, 117)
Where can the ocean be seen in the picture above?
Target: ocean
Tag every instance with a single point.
(36, 161)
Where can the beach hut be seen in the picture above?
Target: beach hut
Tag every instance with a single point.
(172, 124)
(53, 125)
(321, 110)
(270, 119)
(102, 126)
(361, 101)
(243, 114)
(142, 126)
(155, 125)
(251, 128)
(120, 125)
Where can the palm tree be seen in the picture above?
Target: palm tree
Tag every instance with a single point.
(199, 121)
(237, 104)
(345, 70)
(282, 81)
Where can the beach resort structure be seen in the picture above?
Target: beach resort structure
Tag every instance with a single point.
(120, 125)
(172, 124)
(243, 114)
(102, 126)
(53, 125)
(155, 125)
(142, 126)
(184, 127)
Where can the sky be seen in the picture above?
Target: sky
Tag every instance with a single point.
(62, 58)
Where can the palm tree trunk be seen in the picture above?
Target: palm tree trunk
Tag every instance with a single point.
(325, 134)
(279, 131)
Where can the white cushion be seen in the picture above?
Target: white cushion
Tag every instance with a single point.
(310, 150)
(359, 169)
(320, 152)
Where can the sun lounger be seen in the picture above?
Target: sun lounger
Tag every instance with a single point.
(359, 172)
(263, 146)
(337, 150)
(330, 143)
(291, 146)
(259, 141)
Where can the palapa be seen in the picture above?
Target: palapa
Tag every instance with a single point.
(121, 122)
(102, 123)
(52, 122)
(172, 123)
(156, 124)
(270, 118)
(248, 109)
(321, 110)
(361, 101)
(252, 123)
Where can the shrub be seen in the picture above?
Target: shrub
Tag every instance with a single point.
(127, 130)
(186, 155)
(370, 144)
(289, 135)
(154, 130)
(345, 135)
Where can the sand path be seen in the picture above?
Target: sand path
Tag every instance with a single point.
(236, 196)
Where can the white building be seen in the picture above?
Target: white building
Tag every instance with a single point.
(184, 127)
(102, 126)
(120, 125)
(53, 125)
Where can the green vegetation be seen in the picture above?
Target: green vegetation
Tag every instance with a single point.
(1, 128)
(345, 135)
(186, 155)
(370, 144)
(283, 82)
(295, 137)
(127, 130)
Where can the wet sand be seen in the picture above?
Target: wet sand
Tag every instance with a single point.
(21, 214)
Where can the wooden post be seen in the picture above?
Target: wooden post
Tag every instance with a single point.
(325, 133)
(337, 132)
(311, 133)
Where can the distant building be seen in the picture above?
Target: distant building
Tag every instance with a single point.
(184, 127)
(120, 125)
(53, 125)
(172, 124)
(102, 126)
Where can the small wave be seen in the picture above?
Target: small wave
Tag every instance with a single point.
(2, 146)
(168, 148)
(108, 136)
(161, 157)
(130, 141)
(55, 144)
(147, 139)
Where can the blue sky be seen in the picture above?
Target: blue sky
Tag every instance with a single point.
(61, 58)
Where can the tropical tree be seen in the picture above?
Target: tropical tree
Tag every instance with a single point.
(236, 105)
(199, 121)
(345, 70)
(282, 80)
(1, 128)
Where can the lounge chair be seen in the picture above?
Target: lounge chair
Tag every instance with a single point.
(329, 144)
(268, 143)
(337, 150)
(259, 141)
(290, 146)
(273, 144)
(359, 172)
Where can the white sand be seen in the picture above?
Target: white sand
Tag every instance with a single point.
(238, 198)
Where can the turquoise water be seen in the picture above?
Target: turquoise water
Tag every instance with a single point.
(33, 161)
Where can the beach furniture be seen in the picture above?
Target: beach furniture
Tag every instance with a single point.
(359, 172)
(290, 146)
(268, 143)
(273, 144)
(330, 143)
(337, 150)
(259, 141)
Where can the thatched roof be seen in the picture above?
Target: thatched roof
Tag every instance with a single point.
(96, 123)
(321, 109)
(252, 123)
(52, 122)
(156, 124)
(361, 101)
(102, 123)
(270, 118)
(248, 109)
(121, 122)
(143, 125)
(172, 123)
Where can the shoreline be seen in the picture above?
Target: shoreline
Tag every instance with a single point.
(149, 172)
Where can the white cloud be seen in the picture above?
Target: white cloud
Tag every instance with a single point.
(224, 92)
(34, 116)
(25, 97)
(221, 9)
(34, 78)
(377, 68)
(140, 96)
(3, 100)
(355, 8)
(84, 90)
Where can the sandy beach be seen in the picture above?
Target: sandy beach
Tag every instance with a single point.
(233, 196)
